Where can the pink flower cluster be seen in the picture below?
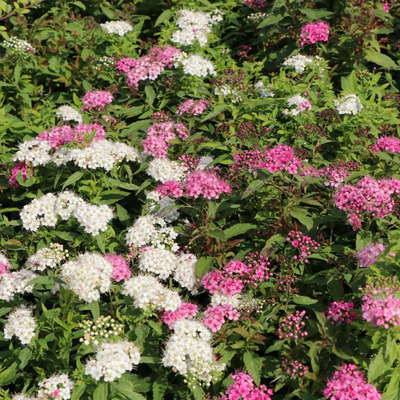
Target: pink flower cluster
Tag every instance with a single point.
(286, 282)
(381, 303)
(314, 32)
(350, 384)
(189, 161)
(296, 369)
(192, 107)
(170, 188)
(206, 184)
(4, 268)
(244, 389)
(214, 317)
(292, 327)
(236, 274)
(339, 312)
(121, 268)
(387, 144)
(247, 160)
(97, 100)
(260, 4)
(26, 172)
(159, 135)
(147, 67)
(303, 243)
(247, 129)
(368, 255)
(338, 172)
(186, 310)
(367, 196)
(60, 135)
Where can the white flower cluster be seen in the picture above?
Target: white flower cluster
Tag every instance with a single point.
(107, 61)
(349, 104)
(163, 170)
(100, 154)
(257, 16)
(189, 351)
(67, 113)
(102, 328)
(158, 205)
(299, 62)
(19, 46)
(46, 210)
(88, 276)
(264, 92)
(118, 27)
(20, 323)
(112, 360)
(48, 257)
(58, 386)
(35, 152)
(194, 64)
(15, 282)
(300, 102)
(185, 272)
(158, 261)
(151, 230)
(195, 25)
(21, 396)
(149, 293)
(225, 91)
(236, 301)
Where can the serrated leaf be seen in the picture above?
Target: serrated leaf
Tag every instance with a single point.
(253, 365)
(25, 355)
(299, 214)
(8, 375)
(271, 20)
(159, 387)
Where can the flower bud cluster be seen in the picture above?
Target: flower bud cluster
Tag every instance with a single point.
(18, 47)
(296, 369)
(48, 257)
(339, 312)
(102, 328)
(303, 243)
(292, 327)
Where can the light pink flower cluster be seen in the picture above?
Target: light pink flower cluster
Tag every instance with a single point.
(189, 161)
(367, 196)
(338, 172)
(97, 100)
(296, 369)
(159, 135)
(214, 317)
(381, 303)
(387, 144)
(192, 107)
(314, 32)
(147, 67)
(26, 172)
(339, 312)
(245, 389)
(121, 268)
(350, 384)
(368, 255)
(292, 326)
(206, 184)
(236, 274)
(186, 310)
(60, 135)
(171, 189)
(303, 243)
(4, 264)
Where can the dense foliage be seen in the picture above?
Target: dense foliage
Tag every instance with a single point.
(199, 199)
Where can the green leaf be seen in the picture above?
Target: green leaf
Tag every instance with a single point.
(238, 229)
(101, 244)
(363, 239)
(164, 16)
(203, 265)
(271, 20)
(8, 375)
(300, 214)
(72, 179)
(108, 13)
(79, 4)
(25, 355)
(217, 110)
(217, 233)
(253, 365)
(79, 389)
(150, 94)
(159, 387)
(253, 187)
(303, 300)
(101, 392)
(314, 14)
(381, 59)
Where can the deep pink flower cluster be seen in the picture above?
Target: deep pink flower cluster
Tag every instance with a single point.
(206, 184)
(286, 283)
(97, 100)
(387, 144)
(147, 67)
(170, 188)
(314, 32)
(236, 274)
(192, 107)
(60, 135)
(338, 172)
(159, 135)
(121, 268)
(292, 326)
(367, 196)
(339, 312)
(247, 160)
(214, 316)
(189, 161)
(26, 172)
(260, 4)
(186, 310)
(244, 389)
(296, 369)
(4, 268)
(303, 243)
(247, 129)
(381, 303)
(368, 255)
(350, 384)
